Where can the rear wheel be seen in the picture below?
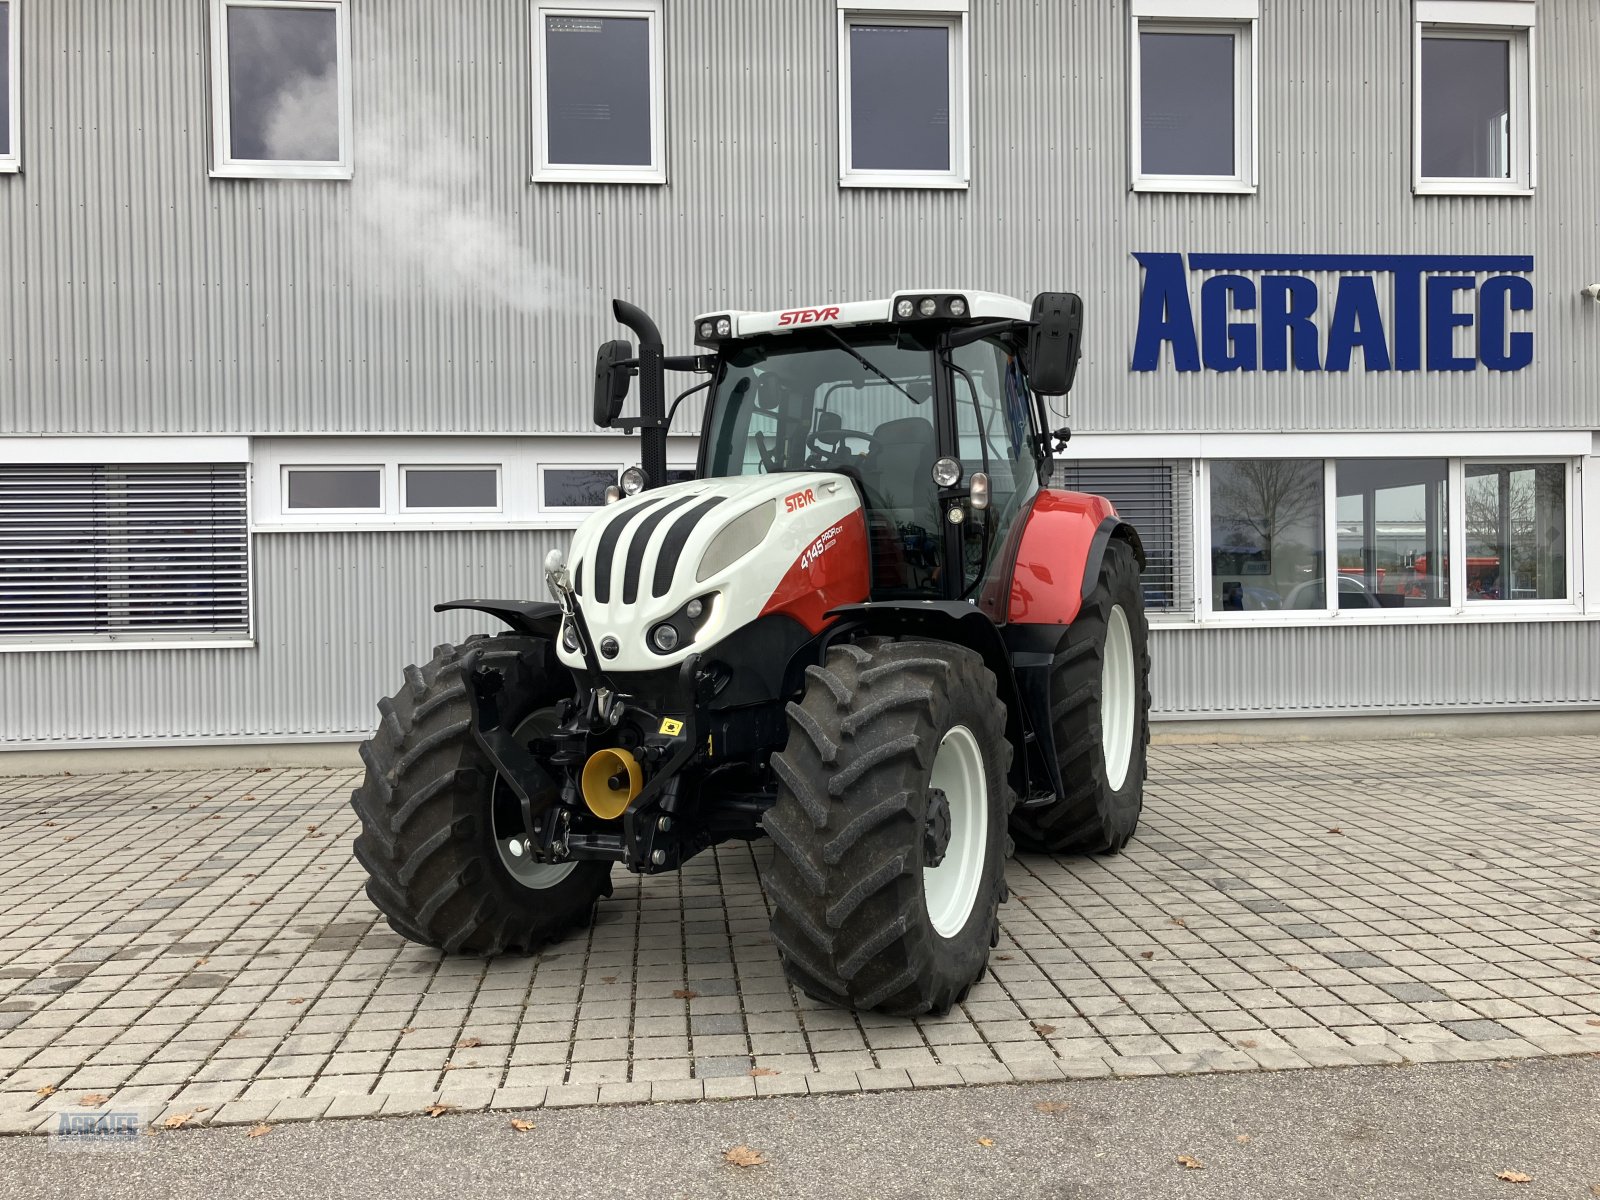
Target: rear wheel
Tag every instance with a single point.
(890, 827)
(1100, 708)
(441, 836)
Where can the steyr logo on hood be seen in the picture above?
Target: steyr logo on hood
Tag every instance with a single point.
(798, 500)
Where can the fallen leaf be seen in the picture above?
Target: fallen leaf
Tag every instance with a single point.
(1042, 1029)
(758, 1072)
(1003, 957)
(1594, 1189)
(1245, 1044)
(438, 1110)
(409, 1029)
(297, 1000)
(1242, 1138)
(449, 1066)
(1514, 1177)
(49, 822)
(1335, 829)
(469, 1043)
(608, 979)
(521, 1126)
(1190, 1163)
(71, 837)
(743, 1156)
(48, 1089)
(259, 1130)
(177, 1120)
(93, 1099)
(1051, 1106)
(262, 770)
(1179, 921)
(685, 994)
(1147, 954)
(985, 1141)
(241, 797)
(1593, 1021)
(202, 961)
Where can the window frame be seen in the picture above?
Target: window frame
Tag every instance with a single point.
(1483, 20)
(1242, 19)
(380, 469)
(545, 171)
(947, 14)
(1456, 610)
(11, 160)
(573, 510)
(145, 451)
(426, 466)
(223, 164)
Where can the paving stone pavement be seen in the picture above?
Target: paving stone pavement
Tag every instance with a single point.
(198, 944)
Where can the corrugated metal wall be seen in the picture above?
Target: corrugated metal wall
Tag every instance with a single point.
(339, 614)
(137, 295)
(337, 617)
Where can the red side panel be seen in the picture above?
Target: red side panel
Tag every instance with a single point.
(833, 570)
(1047, 579)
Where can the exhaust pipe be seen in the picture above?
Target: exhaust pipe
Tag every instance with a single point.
(652, 391)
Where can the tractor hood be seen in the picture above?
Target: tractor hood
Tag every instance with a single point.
(710, 556)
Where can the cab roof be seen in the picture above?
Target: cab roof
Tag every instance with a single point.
(974, 305)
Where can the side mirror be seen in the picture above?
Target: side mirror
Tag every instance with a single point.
(611, 382)
(1055, 342)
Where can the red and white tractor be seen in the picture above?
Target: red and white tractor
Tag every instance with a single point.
(867, 629)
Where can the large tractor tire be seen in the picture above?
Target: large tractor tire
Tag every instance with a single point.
(1100, 708)
(437, 822)
(890, 827)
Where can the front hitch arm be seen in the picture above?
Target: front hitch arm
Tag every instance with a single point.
(487, 689)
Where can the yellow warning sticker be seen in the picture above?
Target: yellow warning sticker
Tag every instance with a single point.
(671, 728)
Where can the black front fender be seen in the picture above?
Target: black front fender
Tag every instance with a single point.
(538, 617)
(965, 625)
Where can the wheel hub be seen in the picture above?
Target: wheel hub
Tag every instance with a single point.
(936, 832)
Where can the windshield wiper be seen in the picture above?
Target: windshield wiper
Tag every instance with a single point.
(868, 364)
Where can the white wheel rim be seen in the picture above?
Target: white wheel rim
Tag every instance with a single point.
(1117, 705)
(524, 867)
(951, 889)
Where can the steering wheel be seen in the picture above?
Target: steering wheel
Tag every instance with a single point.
(827, 447)
(769, 457)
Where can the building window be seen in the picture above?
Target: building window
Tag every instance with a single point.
(1392, 531)
(10, 87)
(450, 489)
(1267, 535)
(903, 96)
(597, 91)
(1145, 494)
(333, 489)
(1193, 126)
(1473, 109)
(1429, 534)
(281, 89)
(108, 554)
(574, 487)
(1516, 531)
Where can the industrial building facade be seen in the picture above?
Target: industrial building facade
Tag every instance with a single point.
(299, 301)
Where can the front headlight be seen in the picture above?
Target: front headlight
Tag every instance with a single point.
(736, 539)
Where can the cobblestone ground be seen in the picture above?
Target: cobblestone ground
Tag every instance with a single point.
(198, 943)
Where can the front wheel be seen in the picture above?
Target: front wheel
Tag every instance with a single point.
(890, 827)
(1100, 712)
(441, 834)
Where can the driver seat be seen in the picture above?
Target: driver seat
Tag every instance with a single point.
(898, 473)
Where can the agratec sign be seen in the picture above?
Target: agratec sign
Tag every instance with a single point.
(1323, 312)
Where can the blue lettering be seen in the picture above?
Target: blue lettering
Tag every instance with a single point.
(1444, 320)
(1287, 305)
(1357, 321)
(1408, 319)
(1227, 346)
(1165, 315)
(1498, 297)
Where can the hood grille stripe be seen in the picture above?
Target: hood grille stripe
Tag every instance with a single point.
(672, 547)
(640, 544)
(608, 548)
